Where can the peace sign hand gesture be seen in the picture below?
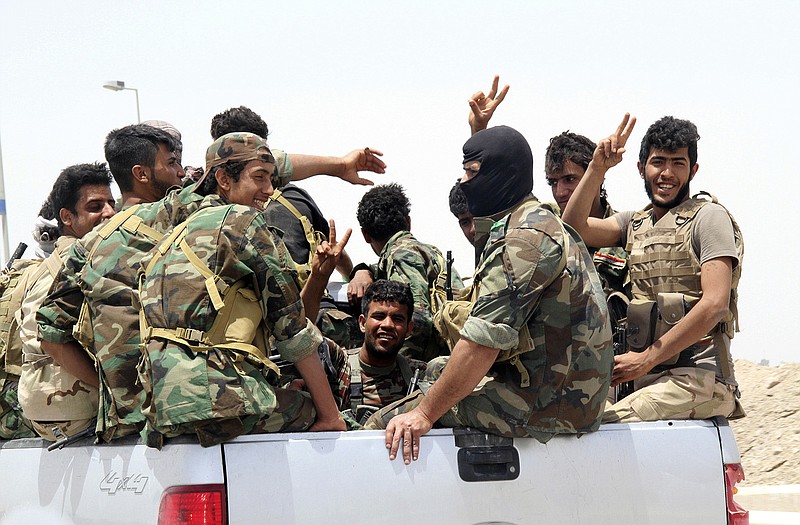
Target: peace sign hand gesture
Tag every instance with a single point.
(609, 150)
(482, 106)
(328, 252)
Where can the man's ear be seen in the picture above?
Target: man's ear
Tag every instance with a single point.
(410, 329)
(362, 323)
(641, 168)
(66, 216)
(140, 173)
(367, 237)
(694, 170)
(223, 181)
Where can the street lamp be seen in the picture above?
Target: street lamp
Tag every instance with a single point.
(119, 85)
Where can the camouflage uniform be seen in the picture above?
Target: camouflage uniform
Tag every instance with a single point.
(569, 367)
(222, 386)
(372, 387)
(407, 260)
(13, 424)
(106, 281)
(50, 396)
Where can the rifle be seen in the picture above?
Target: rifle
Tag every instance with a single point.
(620, 339)
(63, 441)
(448, 285)
(19, 252)
(414, 382)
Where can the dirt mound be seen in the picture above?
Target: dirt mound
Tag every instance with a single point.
(769, 437)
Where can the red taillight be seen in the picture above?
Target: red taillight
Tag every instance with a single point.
(193, 505)
(736, 514)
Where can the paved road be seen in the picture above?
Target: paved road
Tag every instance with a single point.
(771, 504)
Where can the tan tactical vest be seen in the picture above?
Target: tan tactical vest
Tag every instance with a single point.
(47, 392)
(665, 274)
(313, 237)
(238, 326)
(12, 291)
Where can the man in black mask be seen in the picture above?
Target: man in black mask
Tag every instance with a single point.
(537, 339)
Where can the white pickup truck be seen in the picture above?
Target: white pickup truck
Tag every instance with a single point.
(668, 472)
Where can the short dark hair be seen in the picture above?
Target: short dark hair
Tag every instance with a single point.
(383, 211)
(137, 144)
(568, 147)
(670, 134)
(232, 168)
(384, 291)
(239, 119)
(67, 188)
(458, 201)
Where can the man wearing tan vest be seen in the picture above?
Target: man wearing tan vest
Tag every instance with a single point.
(685, 263)
(56, 402)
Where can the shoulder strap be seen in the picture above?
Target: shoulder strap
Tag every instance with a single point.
(311, 235)
(356, 381)
(405, 368)
(54, 263)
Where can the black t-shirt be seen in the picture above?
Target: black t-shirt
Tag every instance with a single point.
(282, 218)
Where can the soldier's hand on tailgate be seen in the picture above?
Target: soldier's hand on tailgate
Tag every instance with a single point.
(482, 106)
(407, 429)
(609, 150)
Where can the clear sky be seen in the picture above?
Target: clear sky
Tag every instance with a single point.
(329, 77)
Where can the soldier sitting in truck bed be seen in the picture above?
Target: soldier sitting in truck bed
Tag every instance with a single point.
(685, 257)
(539, 326)
(205, 366)
(383, 214)
(379, 374)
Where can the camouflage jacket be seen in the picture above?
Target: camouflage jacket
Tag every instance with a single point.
(571, 360)
(107, 282)
(187, 380)
(407, 260)
(380, 386)
(47, 391)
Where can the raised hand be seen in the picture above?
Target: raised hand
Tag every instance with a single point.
(482, 106)
(327, 255)
(609, 150)
(362, 160)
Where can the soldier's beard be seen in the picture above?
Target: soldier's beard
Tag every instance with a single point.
(679, 197)
(381, 353)
(161, 187)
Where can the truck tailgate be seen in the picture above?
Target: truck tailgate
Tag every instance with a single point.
(644, 473)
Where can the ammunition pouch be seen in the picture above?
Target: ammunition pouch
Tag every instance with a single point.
(647, 320)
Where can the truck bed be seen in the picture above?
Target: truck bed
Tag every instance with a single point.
(645, 473)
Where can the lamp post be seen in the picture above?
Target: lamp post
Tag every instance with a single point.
(119, 85)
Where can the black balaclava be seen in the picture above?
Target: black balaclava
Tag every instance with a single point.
(506, 174)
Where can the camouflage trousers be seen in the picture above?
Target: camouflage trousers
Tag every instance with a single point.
(13, 424)
(678, 393)
(65, 428)
(294, 412)
(491, 407)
